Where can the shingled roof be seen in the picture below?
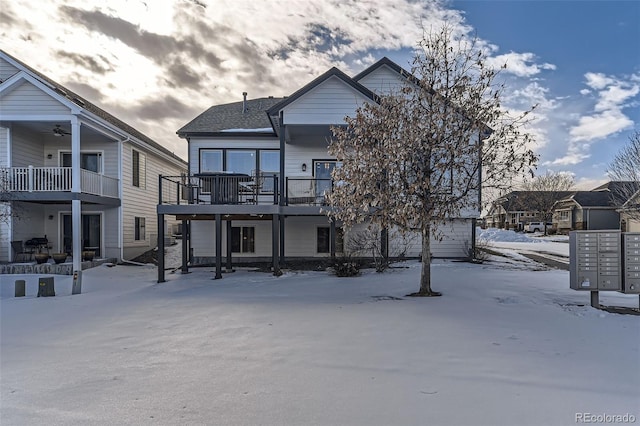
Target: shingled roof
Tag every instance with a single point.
(230, 119)
(92, 108)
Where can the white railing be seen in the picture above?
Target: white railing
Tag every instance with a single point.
(46, 179)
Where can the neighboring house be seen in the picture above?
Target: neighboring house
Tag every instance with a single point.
(261, 166)
(630, 214)
(590, 210)
(518, 208)
(74, 173)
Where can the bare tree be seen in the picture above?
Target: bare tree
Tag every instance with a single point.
(543, 191)
(625, 168)
(419, 157)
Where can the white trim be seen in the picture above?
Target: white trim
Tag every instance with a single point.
(84, 213)
(23, 75)
(96, 151)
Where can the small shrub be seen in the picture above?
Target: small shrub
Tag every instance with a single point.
(345, 267)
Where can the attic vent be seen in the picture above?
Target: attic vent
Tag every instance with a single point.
(244, 102)
(61, 91)
(78, 101)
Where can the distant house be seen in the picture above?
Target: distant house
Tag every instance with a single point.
(73, 176)
(518, 208)
(630, 214)
(590, 210)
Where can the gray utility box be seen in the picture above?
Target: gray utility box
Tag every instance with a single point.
(631, 262)
(595, 260)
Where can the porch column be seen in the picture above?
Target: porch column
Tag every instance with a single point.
(218, 237)
(160, 248)
(76, 187)
(76, 232)
(185, 248)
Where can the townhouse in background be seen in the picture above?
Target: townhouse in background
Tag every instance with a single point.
(261, 167)
(73, 177)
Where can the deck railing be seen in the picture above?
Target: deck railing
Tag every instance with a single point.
(220, 188)
(47, 179)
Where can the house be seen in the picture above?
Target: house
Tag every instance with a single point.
(518, 208)
(261, 166)
(73, 176)
(630, 214)
(590, 210)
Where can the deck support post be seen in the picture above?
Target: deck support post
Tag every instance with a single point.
(185, 248)
(161, 248)
(218, 237)
(229, 267)
(275, 250)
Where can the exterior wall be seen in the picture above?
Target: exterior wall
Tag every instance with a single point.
(327, 103)
(301, 239)
(4, 147)
(108, 149)
(27, 148)
(142, 202)
(296, 155)
(26, 99)
(383, 81)
(6, 70)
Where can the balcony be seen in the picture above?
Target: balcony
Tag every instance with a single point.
(241, 189)
(56, 179)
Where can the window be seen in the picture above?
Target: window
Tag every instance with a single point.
(139, 232)
(243, 239)
(139, 169)
(241, 161)
(210, 160)
(270, 167)
(564, 215)
(91, 161)
(323, 240)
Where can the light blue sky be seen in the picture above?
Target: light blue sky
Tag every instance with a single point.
(156, 65)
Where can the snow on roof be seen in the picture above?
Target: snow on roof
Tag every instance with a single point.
(260, 130)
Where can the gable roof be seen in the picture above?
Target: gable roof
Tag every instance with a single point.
(231, 116)
(388, 62)
(526, 200)
(86, 105)
(333, 72)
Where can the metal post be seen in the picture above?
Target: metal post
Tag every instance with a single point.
(185, 249)
(332, 238)
(218, 237)
(160, 248)
(595, 299)
(229, 267)
(282, 258)
(275, 234)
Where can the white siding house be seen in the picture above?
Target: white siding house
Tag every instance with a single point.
(285, 218)
(67, 173)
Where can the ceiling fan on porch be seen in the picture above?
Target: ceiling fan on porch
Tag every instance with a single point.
(58, 131)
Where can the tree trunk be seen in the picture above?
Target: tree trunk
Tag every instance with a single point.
(425, 274)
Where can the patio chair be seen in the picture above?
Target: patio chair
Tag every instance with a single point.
(19, 250)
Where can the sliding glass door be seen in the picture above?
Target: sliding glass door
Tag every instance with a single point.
(91, 233)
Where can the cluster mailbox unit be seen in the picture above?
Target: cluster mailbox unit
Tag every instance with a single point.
(605, 260)
(631, 262)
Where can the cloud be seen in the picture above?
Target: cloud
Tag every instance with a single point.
(97, 64)
(520, 64)
(607, 117)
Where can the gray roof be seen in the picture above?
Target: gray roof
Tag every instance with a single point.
(94, 109)
(528, 200)
(593, 198)
(231, 116)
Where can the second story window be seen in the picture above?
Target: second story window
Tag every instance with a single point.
(210, 160)
(139, 169)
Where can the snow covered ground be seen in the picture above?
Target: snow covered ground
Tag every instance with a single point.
(504, 345)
